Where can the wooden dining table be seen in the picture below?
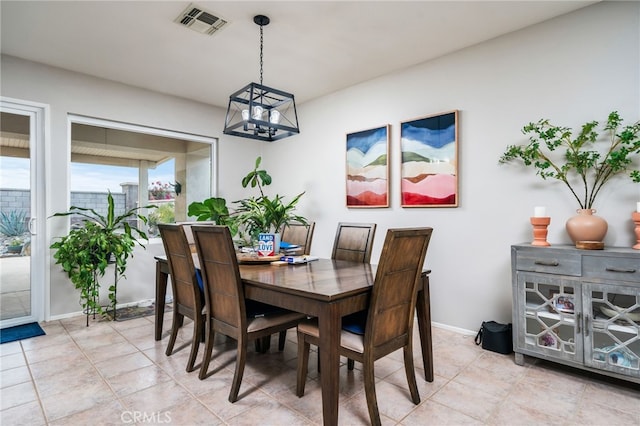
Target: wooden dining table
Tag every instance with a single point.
(324, 288)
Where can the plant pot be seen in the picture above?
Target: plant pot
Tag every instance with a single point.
(585, 226)
(14, 249)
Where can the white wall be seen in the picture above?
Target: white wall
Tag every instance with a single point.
(572, 69)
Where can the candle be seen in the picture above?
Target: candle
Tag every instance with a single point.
(541, 211)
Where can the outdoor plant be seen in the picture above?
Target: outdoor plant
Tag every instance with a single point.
(577, 161)
(165, 213)
(85, 253)
(13, 223)
(15, 242)
(264, 214)
(161, 191)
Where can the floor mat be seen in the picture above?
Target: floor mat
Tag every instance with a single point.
(20, 332)
(132, 312)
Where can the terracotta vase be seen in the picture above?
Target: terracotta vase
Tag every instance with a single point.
(636, 219)
(585, 226)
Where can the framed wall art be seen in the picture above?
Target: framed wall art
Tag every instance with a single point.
(429, 161)
(368, 168)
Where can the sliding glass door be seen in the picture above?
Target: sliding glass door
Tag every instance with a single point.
(22, 219)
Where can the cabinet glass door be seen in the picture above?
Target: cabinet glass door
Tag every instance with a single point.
(551, 308)
(612, 330)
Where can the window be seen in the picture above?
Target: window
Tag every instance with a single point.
(116, 157)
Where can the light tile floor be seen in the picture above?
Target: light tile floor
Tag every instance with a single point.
(114, 373)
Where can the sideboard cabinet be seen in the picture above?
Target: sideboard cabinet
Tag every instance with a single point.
(578, 307)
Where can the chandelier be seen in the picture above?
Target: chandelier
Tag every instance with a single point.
(260, 112)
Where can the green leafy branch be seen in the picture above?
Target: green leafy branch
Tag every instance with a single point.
(591, 167)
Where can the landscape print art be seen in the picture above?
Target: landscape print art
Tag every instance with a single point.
(429, 170)
(368, 168)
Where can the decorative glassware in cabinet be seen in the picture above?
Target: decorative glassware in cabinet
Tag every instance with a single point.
(551, 323)
(612, 337)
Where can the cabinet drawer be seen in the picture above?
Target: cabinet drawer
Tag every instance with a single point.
(612, 268)
(540, 260)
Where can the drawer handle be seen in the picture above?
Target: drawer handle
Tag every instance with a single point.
(629, 271)
(547, 263)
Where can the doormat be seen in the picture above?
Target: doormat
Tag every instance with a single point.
(20, 332)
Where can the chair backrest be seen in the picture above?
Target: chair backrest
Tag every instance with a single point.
(223, 290)
(354, 242)
(393, 298)
(187, 228)
(184, 283)
(299, 234)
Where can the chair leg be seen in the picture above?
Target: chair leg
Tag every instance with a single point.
(195, 344)
(303, 364)
(237, 377)
(175, 326)
(370, 392)
(281, 340)
(411, 374)
(263, 344)
(208, 349)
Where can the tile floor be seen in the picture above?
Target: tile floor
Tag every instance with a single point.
(115, 373)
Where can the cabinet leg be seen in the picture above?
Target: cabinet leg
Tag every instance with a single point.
(519, 358)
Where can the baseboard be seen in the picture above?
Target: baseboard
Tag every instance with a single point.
(144, 302)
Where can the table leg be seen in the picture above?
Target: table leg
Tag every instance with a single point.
(161, 293)
(329, 322)
(423, 307)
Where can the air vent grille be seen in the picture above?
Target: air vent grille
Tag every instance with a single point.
(201, 21)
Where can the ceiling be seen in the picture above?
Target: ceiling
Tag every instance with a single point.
(311, 48)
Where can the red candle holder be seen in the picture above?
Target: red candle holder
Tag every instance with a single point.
(636, 219)
(540, 231)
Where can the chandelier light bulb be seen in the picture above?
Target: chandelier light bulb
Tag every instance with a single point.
(257, 112)
(274, 116)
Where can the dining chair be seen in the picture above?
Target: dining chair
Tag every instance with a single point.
(261, 345)
(225, 304)
(299, 234)
(188, 300)
(354, 242)
(387, 325)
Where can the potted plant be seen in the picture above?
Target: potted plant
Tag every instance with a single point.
(578, 162)
(87, 250)
(263, 214)
(214, 209)
(15, 245)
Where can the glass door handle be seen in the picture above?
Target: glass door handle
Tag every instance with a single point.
(32, 226)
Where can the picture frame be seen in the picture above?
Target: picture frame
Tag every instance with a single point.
(429, 161)
(563, 303)
(367, 168)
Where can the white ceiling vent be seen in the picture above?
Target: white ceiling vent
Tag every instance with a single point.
(200, 20)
